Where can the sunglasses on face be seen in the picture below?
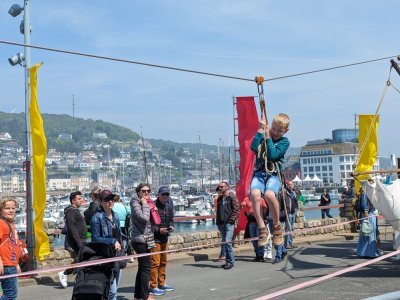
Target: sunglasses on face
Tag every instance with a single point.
(145, 191)
(108, 200)
(165, 194)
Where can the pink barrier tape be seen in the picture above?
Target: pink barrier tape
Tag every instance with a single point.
(121, 258)
(323, 207)
(326, 277)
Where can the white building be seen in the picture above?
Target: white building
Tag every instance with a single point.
(330, 161)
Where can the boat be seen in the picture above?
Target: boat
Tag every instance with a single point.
(310, 195)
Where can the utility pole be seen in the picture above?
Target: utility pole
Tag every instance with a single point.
(19, 58)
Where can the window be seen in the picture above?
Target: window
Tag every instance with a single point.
(311, 169)
(305, 161)
(330, 168)
(347, 158)
(317, 168)
(331, 174)
(329, 159)
(342, 174)
(318, 160)
(305, 169)
(341, 167)
(324, 168)
(348, 168)
(341, 158)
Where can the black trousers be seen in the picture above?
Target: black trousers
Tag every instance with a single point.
(143, 273)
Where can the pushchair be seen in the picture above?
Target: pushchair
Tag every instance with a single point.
(93, 282)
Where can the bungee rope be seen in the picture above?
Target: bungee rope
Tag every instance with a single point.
(262, 149)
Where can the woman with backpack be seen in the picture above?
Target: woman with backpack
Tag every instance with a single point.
(142, 236)
(10, 250)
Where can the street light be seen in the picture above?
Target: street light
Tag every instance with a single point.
(18, 58)
(25, 29)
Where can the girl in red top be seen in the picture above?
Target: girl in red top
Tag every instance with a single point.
(9, 249)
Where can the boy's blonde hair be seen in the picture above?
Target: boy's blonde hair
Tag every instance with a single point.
(282, 120)
(5, 200)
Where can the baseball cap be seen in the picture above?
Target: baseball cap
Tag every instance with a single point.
(163, 189)
(106, 194)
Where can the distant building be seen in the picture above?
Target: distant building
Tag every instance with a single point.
(5, 136)
(99, 135)
(331, 160)
(65, 136)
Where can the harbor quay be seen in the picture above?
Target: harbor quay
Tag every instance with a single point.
(198, 274)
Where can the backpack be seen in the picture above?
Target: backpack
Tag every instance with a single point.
(90, 211)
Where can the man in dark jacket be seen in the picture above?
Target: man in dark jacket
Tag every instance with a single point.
(76, 231)
(227, 214)
(325, 201)
(165, 209)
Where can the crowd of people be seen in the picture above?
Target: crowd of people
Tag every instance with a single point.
(143, 225)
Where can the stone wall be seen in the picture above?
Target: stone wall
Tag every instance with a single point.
(203, 239)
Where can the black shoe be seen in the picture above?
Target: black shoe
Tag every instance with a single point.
(228, 266)
(256, 259)
(283, 256)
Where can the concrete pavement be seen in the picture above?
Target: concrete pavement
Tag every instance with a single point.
(197, 276)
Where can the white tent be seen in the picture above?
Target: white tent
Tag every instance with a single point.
(296, 179)
(307, 178)
(316, 178)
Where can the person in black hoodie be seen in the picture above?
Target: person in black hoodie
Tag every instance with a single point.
(76, 232)
(227, 214)
(165, 209)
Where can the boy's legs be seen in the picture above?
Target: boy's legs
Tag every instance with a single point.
(272, 189)
(257, 187)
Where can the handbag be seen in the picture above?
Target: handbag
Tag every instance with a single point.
(121, 263)
(365, 228)
(149, 238)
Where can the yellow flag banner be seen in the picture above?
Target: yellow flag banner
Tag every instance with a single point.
(367, 146)
(39, 151)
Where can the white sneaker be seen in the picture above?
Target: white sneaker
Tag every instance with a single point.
(268, 255)
(63, 279)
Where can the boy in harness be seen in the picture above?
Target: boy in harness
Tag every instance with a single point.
(270, 146)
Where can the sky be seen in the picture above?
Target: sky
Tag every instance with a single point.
(235, 38)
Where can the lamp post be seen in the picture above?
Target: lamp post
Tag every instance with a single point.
(25, 29)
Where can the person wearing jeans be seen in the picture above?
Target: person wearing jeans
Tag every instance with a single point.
(228, 212)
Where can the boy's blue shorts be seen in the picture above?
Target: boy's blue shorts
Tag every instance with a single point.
(264, 182)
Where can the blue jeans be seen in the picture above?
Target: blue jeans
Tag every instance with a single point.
(325, 211)
(254, 232)
(9, 285)
(279, 249)
(114, 285)
(227, 235)
(288, 236)
(223, 251)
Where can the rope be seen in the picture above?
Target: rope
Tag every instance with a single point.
(364, 144)
(188, 70)
(263, 113)
(122, 258)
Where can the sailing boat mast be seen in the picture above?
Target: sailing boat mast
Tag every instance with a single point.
(144, 156)
(201, 165)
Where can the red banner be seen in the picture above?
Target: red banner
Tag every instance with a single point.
(247, 128)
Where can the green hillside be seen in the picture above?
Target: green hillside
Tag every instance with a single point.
(81, 130)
